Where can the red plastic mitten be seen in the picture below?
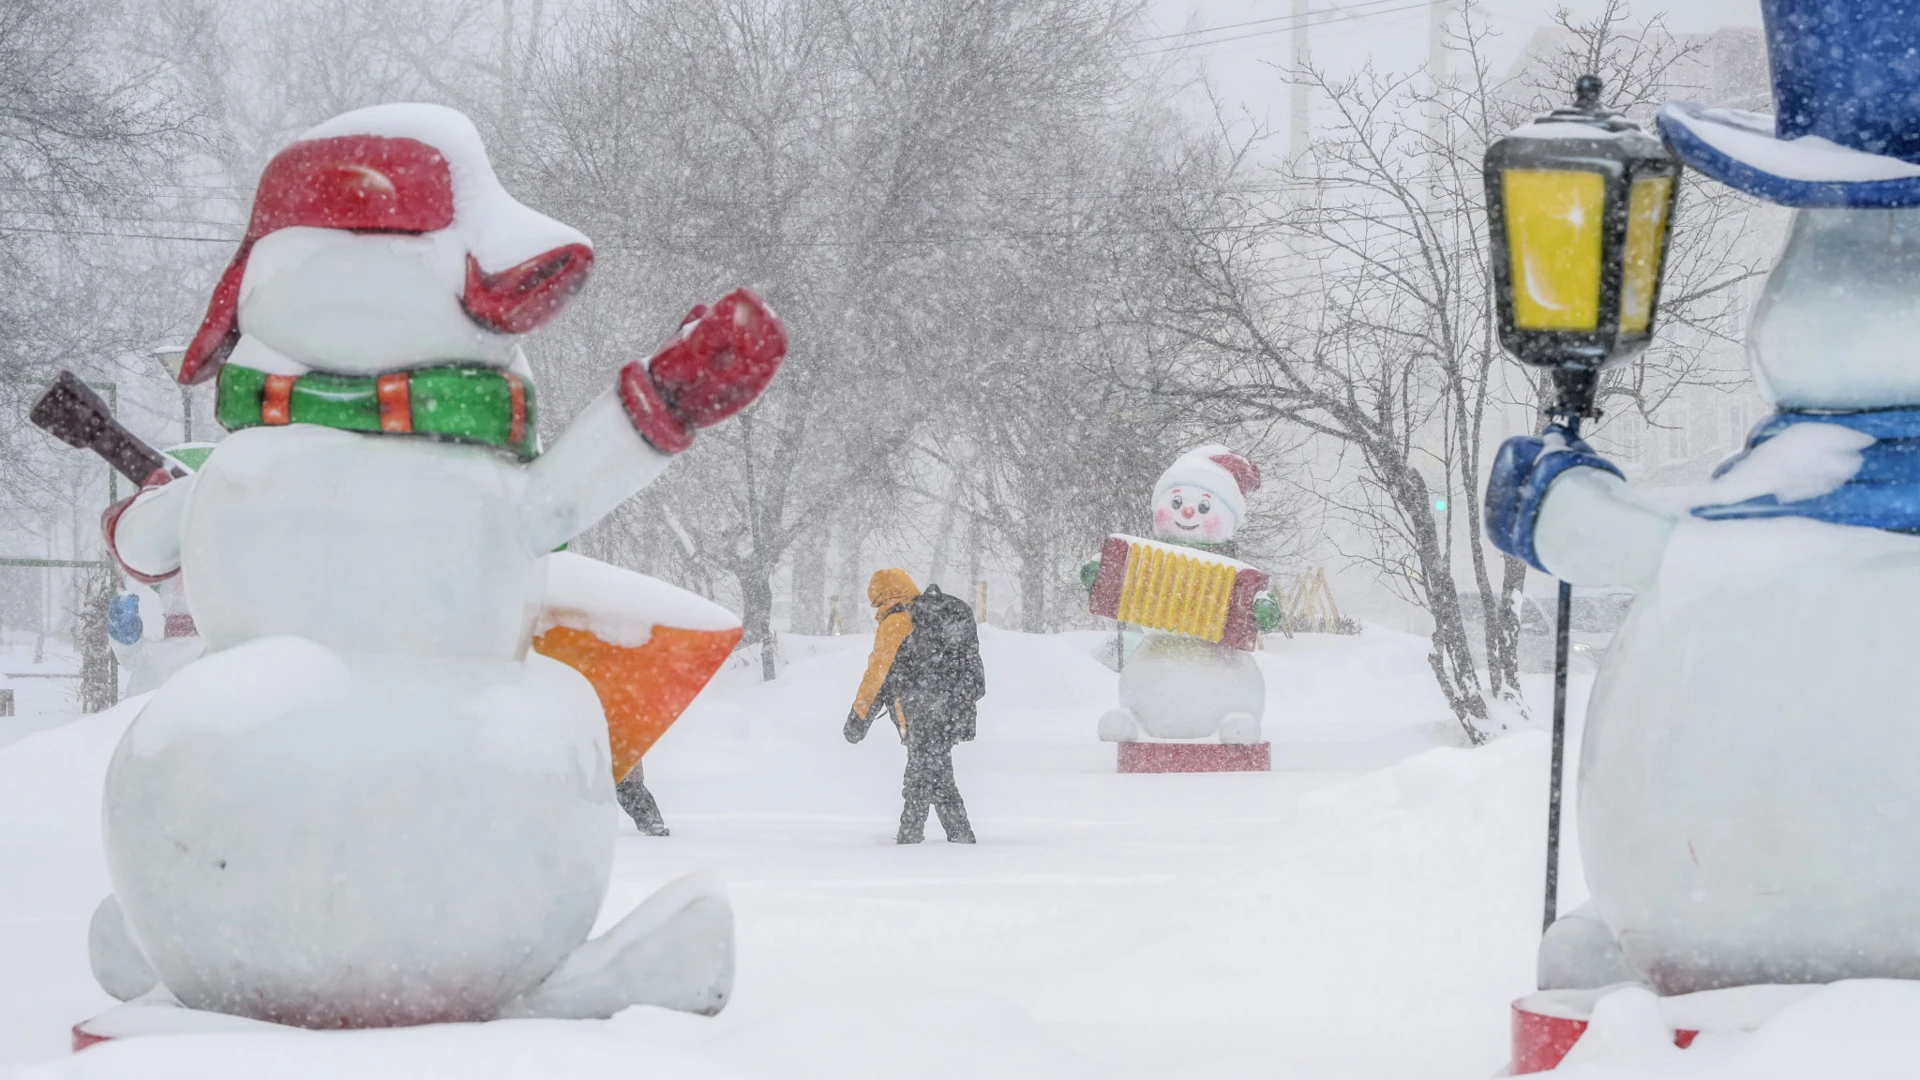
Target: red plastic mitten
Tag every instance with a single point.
(722, 360)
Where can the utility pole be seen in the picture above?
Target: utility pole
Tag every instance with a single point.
(1302, 127)
(1437, 65)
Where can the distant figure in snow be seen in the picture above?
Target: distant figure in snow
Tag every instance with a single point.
(638, 802)
(925, 670)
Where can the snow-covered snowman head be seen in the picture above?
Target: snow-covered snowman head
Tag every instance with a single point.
(381, 240)
(1836, 324)
(1202, 497)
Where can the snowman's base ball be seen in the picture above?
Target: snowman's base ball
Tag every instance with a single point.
(1182, 687)
(332, 840)
(1750, 772)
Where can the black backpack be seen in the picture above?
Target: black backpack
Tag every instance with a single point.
(941, 657)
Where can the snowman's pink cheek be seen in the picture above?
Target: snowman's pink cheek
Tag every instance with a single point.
(1212, 525)
(1162, 517)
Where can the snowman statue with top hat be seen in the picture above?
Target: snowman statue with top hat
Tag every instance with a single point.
(368, 804)
(1747, 784)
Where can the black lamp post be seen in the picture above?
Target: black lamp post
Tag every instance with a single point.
(1579, 203)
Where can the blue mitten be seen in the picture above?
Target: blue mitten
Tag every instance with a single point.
(123, 619)
(1522, 471)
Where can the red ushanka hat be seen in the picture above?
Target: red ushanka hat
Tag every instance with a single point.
(405, 169)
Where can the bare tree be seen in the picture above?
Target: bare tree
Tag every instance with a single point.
(88, 136)
(921, 189)
(1349, 296)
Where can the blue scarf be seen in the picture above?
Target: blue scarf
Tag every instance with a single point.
(1884, 493)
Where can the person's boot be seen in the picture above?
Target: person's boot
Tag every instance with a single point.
(953, 819)
(638, 802)
(913, 827)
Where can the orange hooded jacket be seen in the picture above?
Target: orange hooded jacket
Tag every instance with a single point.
(890, 592)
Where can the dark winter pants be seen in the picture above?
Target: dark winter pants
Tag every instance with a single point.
(929, 783)
(638, 802)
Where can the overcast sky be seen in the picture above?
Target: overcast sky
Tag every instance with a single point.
(1392, 33)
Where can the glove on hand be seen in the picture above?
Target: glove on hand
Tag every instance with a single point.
(1522, 471)
(721, 361)
(123, 619)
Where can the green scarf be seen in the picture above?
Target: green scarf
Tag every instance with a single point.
(455, 402)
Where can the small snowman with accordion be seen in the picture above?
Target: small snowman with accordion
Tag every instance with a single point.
(1194, 675)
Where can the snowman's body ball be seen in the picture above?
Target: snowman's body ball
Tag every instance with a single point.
(333, 839)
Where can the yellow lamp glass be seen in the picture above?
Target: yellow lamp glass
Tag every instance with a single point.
(1646, 226)
(1554, 220)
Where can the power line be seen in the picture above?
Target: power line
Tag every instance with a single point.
(120, 235)
(631, 243)
(1285, 29)
(1263, 22)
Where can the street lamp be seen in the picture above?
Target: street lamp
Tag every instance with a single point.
(1579, 204)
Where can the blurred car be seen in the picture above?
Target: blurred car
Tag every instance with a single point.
(1595, 618)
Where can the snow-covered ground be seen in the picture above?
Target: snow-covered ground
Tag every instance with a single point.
(1367, 909)
(45, 687)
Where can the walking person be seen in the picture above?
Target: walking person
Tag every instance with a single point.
(925, 672)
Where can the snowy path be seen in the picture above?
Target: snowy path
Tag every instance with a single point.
(1368, 909)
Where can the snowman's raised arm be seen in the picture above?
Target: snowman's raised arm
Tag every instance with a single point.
(1566, 511)
(597, 463)
(720, 362)
(143, 531)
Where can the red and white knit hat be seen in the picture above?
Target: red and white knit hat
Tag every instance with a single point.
(405, 169)
(1227, 476)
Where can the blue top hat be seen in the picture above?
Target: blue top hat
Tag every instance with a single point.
(1846, 98)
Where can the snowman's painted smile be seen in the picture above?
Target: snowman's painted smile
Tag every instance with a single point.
(1189, 528)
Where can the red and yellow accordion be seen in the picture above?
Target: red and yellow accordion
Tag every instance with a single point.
(1179, 590)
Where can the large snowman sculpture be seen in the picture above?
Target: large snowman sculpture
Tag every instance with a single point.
(1179, 687)
(1750, 778)
(368, 804)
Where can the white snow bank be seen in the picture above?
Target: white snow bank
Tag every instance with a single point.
(1860, 1030)
(521, 1049)
(1179, 926)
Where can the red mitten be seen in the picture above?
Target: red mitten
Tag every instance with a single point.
(722, 360)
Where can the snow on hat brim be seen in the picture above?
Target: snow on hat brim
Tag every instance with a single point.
(1740, 150)
(1197, 468)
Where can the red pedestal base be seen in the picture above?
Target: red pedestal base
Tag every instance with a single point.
(1163, 757)
(1545, 1028)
